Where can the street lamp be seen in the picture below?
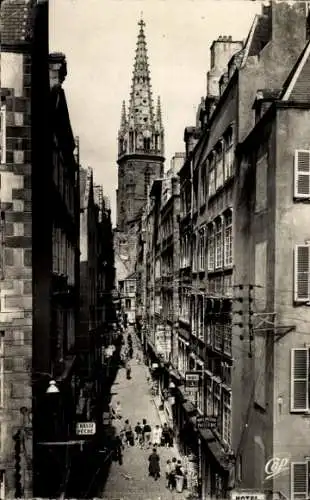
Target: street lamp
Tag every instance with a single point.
(52, 388)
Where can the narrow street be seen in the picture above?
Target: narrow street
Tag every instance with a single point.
(130, 480)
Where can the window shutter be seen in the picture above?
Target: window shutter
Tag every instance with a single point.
(302, 273)
(299, 480)
(299, 379)
(302, 174)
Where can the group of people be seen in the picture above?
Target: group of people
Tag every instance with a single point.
(174, 469)
(127, 355)
(145, 436)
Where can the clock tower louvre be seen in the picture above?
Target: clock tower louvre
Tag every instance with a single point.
(140, 141)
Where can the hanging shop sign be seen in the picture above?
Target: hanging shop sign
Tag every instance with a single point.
(247, 495)
(206, 422)
(192, 380)
(86, 428)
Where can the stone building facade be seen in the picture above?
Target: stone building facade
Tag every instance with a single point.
(244, 264)
(39, 268)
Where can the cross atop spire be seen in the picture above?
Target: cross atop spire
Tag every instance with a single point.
(141, 23)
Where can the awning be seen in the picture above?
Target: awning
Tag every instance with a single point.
(175, 374)
(189, 407)
(215, 448)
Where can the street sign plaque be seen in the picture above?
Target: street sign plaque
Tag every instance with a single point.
(192, 380)
(86, 428)
(206, 422)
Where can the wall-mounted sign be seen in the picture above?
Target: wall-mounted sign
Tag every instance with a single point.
(276, 466)
(86, 428)
(247, 495)
(206, 422)
(192, 380)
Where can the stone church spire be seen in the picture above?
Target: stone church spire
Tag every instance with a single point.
(140, 141)
(142, 132)
(123, 117)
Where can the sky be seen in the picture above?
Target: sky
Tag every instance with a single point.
(99, 39)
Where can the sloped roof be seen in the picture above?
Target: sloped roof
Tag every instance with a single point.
(297, 86)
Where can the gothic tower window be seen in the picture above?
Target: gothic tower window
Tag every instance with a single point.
(131, 141)
(147, 180)
(147, 143)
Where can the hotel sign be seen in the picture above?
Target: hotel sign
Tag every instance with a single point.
(247, 495)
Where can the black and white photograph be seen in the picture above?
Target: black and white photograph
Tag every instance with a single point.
(155, 249)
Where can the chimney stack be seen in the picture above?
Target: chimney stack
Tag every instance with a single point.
(57, 69)
(221, 52)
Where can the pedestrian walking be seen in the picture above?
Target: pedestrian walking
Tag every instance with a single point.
(146, 433)
(128, 433)
(128, 370)
(138, 431)
(118, 449)
(172, 481)
(166, 436)
(118, 410)
(156, 436)
(168, 472)
(170, 436)
(154, 465)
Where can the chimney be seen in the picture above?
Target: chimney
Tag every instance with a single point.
(57, 69)
(221, 51)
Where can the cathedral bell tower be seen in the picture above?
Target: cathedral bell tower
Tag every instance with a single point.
(140, 141)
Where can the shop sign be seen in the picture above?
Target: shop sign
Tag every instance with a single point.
(192, 380)
(206, 422)
(276, 466)
(191, 393)
(86, 428)
(247, 495)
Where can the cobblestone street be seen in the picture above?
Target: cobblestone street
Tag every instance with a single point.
(130, 480)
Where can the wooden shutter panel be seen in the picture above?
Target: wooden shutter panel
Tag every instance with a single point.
(302, 174)
(302, 273)
(299, 481)
(299, 379)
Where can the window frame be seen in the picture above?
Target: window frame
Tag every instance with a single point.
(297, 272)
(292, 482)
(293, 379)
(297, 173)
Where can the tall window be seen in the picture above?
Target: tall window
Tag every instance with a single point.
(194, 253)
(211, 248)
(202, 251)
(300, 480)
(300, 391)
(3, 134)
(219, 178)
(218, 244)
(209, 396)
(227, 417)
(302, 174)
(147, 180)
(302, 273)
(2, 354)
(228, 154)
(211, 179)
(228, 240)
(203, 184)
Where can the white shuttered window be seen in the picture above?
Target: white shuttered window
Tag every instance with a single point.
(302, 273)
(302, 174)
(299, 379)
(299, 481)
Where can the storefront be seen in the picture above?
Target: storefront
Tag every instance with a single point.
(215, 465)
